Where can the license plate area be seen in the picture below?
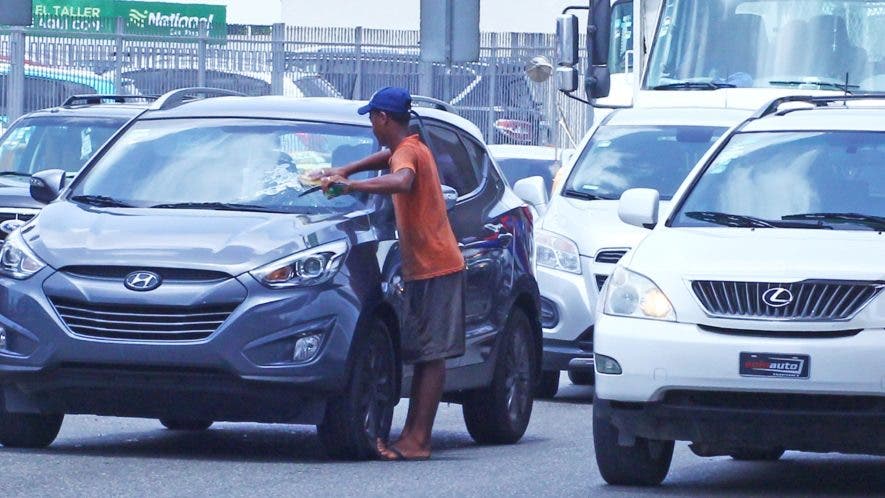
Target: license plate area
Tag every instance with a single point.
(781, 365)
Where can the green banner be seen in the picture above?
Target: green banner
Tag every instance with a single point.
(144, 18)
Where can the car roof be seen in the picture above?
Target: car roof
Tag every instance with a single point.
(525, 151)
(677, 116)
(319, 109)
(852, 117)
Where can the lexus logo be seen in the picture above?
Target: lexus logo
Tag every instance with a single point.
(777, 297)
(142, 281)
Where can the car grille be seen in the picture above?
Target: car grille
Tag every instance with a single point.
(610, 256)
(151, 323)
(811, 300)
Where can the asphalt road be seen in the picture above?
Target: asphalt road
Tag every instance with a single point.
(101, 456)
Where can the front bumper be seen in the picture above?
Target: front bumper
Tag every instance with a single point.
(658, 356)
(242, 371)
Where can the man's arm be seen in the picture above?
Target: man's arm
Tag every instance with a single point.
(372, 162)
(393, 183)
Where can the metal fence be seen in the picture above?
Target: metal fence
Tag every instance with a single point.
(40, 68)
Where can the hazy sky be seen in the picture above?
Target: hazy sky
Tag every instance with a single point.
(495, 15)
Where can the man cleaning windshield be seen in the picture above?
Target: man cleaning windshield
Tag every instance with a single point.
(433, 314)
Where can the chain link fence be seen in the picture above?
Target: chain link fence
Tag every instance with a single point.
(40, 68)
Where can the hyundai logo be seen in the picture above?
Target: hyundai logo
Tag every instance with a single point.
(142, 281)
(777, 297)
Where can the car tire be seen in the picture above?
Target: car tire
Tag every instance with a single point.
(500, 413)
(582, 378)
(177, 424)
(364, 412)
(548, 385)
(758, 454)
(28, 430)
(646, 463)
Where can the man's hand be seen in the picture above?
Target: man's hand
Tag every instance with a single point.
(318, 174)
(327, 182)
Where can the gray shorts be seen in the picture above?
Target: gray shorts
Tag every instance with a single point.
(433, 319)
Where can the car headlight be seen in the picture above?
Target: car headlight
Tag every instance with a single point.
(631, 294)
(17, 260)
(311, 267)
(557, 252)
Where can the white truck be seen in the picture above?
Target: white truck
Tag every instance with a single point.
(722, 53)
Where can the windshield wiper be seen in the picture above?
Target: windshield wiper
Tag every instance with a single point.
(693, 85)
(743, 221)
(874, 222)
(100, 201)
(584, 195)
(216, 206)
(15, 173)
(829, 85)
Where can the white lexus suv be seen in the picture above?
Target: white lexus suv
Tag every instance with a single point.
(752, 319)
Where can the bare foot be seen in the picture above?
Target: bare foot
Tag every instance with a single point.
(400, 451)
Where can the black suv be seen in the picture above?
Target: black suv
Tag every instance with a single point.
(62, 137)
(187, 275)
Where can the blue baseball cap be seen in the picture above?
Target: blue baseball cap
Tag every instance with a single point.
(390, 99)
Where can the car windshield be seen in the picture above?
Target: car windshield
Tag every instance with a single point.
(618, 158)
(37, 144)
(803, 44)
(517, 168)
(239, 164)
(830, 180)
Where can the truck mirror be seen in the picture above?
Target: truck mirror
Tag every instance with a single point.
(598, 29)
(567, 79)
(567, 39)
(598, 82)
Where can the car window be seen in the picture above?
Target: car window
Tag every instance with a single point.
(452, 160)
(479, 158)
(792, 176)
(54, 143)
(226, 160)
(618, 158)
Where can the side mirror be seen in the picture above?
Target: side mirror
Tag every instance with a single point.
(46, 185)
(598, 79)
(567, 40)
(567, 79)
(450, 195)
(533, 191)
(639, 207)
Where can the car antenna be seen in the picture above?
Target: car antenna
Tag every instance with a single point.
(847, 93)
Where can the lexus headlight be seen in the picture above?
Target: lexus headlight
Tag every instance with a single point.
(17, 260)
(557, 252)
(311, 267)
(631, 294)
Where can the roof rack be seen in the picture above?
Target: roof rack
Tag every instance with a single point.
(96, 98)
(815, 100)
(175, 98)
(423, 101)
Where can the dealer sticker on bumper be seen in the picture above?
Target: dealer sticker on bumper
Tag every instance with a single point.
(793, 366)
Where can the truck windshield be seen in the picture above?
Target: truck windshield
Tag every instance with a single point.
(804, 44)
(830, 180)
(618, 158)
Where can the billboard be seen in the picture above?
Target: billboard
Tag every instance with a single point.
(144, 18)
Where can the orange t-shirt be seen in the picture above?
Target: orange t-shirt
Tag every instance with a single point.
(427, 243)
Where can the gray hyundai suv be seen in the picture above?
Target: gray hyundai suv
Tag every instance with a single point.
(187, 275)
